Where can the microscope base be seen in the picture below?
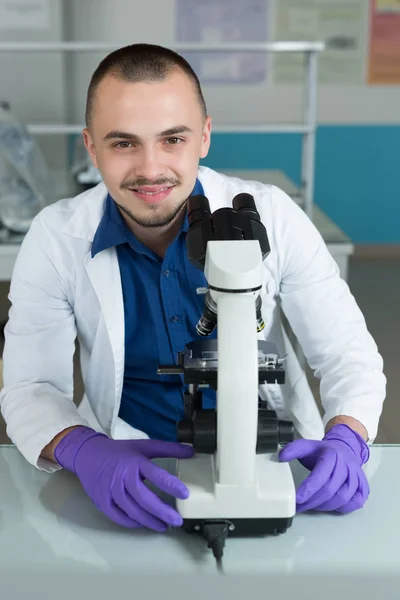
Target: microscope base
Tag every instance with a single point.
(243, 527)
(267, 507)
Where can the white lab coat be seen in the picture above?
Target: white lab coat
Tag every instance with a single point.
(59, 291)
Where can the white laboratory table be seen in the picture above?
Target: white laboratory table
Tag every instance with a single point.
(54, 543)
(336, 240)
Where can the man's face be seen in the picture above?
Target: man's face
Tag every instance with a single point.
(146, 139)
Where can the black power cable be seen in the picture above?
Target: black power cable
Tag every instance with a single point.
(215, 533)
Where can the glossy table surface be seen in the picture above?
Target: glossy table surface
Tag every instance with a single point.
(51, 532)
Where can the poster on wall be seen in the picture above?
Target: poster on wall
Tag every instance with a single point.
(341, 24)
(224, 22)
(384, 48)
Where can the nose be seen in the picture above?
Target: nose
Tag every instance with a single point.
(149, 165)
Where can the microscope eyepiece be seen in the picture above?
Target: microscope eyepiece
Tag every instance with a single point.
(198, 207)
(244, 204)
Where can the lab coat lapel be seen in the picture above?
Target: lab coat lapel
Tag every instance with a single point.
(102, 269)
(104, 274)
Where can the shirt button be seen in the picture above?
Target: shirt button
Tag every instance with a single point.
(175, 318)
(167, 273)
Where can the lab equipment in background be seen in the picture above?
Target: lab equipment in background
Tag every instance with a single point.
(83, 170)
(237, 485)
(24, 176)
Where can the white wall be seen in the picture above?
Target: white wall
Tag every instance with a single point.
(130, 21)
(33, 84)
(52, 87)
(120, 21)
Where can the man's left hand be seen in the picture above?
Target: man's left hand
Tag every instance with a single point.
(337, 481)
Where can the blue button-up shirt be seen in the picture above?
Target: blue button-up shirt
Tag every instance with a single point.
(161, 309)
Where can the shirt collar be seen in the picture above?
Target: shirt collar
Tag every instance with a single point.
(197, 191)
(112, 229)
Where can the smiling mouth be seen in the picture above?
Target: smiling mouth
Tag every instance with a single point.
(151, 192)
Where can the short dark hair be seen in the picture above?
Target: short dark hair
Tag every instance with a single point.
(141, 62)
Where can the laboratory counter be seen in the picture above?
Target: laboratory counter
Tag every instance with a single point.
(54, 543)
(339, 245)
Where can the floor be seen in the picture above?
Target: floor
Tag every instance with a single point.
(376, 287)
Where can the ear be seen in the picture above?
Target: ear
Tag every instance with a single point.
(206, 141)
(89, 145)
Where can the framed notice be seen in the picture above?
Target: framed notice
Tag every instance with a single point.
(224, 22)
(384, 48)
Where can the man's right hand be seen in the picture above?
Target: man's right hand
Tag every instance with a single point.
(112, 473)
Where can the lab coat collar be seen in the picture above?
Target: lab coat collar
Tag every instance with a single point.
(86, 218)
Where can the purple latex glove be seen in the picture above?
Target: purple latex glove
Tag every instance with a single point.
(337, 481)
(112, 473)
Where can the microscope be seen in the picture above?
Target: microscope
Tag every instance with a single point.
(237, 484)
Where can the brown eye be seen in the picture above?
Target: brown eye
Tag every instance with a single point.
(123, 145)
(173, 141)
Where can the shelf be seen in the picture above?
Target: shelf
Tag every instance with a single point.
(269, 177)
(61, 129)
(307, 127)
(179, 47)
(331, 233)
(54, 129)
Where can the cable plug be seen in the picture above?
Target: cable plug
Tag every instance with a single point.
(215, 533)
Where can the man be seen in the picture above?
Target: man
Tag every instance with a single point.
(110, 267)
